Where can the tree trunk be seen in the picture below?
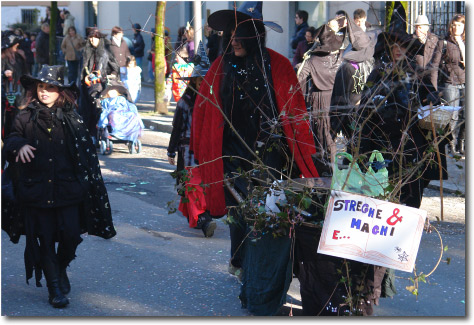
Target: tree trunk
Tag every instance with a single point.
(161, 105)
(52, 32)
(389, 6)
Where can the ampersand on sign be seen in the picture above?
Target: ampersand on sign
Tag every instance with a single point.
(390, 220)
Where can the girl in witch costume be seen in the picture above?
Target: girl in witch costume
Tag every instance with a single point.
(193, 203)
(59, 191)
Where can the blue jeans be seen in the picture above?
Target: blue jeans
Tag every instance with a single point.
(454, 95)
(150, 71)
(72, 71)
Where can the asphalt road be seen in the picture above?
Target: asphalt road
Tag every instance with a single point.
(158, 266)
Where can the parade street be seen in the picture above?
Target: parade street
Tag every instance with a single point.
(157, 266)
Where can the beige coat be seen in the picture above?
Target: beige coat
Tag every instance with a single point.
(67, 46)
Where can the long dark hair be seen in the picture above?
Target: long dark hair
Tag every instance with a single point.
(67, 97)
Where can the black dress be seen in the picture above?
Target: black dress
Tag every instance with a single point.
(60, 194)
(393, 129)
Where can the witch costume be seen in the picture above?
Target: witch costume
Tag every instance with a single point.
(316, 76)
(387, 116)
(258, 94)
(60, 194)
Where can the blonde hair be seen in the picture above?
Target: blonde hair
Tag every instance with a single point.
(190, 32)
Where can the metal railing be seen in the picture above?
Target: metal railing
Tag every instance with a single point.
(439, 14)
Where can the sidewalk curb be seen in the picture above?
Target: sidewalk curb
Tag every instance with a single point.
(160, 126)
(446, 190)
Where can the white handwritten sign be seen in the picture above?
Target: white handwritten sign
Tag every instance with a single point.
(372, 231)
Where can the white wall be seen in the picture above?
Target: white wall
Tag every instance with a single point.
(76, 8)
(12, 15)
(108, 16)
(277, 11)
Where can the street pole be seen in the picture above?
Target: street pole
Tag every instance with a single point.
(197, 22)
(52, 32)
(161, 106)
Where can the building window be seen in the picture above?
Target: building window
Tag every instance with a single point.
(29, 16)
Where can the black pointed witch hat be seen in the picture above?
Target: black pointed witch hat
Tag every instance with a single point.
(53, 75)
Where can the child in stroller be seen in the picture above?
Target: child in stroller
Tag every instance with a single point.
(119, 121)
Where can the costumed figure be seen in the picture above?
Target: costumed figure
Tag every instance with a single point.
(193, 202)
(387, 117)
(357, 64)
(249, 128)
(13, 67)
(316, 76)
(58, 190)
(180, 70)
(99, 65)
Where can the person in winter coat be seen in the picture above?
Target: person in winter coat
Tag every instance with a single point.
(72, 46)
(138, 44)
(426, 62)
(452, 75)
(42, 45)
(301, 20)
(194, 210)
(13, 67)
(304, 46)
(98, 65)
(119, 49)
(60, 193)
(25, 46)
(387, 117)
(249, 111)
(68, 22)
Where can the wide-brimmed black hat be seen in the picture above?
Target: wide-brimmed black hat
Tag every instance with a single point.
(225, 20)
(9, 39)
(53, 75)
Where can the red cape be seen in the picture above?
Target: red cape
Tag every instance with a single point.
(208, 126)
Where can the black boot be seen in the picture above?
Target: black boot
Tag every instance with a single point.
(51, 273)
(64, 284)
(209, 225)
(56, 297)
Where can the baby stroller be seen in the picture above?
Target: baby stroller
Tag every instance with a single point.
(119, 121)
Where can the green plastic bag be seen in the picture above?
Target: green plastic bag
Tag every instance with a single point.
(375, 182)
(355, 181)
(348, 180)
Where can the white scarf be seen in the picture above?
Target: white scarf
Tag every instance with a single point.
(117, 41)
